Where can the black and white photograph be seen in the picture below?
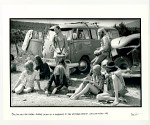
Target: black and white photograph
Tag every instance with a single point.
(75, 62)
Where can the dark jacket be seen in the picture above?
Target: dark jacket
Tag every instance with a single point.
(44, 71)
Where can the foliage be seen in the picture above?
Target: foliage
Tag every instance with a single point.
(29, 25)
(16, 36)
(124, 30)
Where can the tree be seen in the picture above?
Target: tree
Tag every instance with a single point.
(16, 37)
(122, 29)
(46, 30)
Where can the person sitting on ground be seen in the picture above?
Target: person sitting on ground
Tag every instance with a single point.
(12, 57)
(135, 55)
(13, 63)
(26, 80)
(59, 77)
(115, 85)
(104, 51)
(95, 85)
(42, 67)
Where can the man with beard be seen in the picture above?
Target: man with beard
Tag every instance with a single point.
(104, 51)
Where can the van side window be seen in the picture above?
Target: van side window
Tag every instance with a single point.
(80, 34)
(83, 34)
(94, 34)
(86, 34)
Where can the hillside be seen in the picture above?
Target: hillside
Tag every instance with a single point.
(135, 24)
(29, 25)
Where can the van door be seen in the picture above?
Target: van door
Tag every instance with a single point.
(95, 43)
(82, 45)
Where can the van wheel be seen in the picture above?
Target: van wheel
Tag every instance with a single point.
(84, 65)
(123, 62)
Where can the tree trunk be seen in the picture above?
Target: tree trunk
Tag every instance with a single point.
(17, 50)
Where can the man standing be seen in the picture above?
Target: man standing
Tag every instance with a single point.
(59, 42)
(104, 51)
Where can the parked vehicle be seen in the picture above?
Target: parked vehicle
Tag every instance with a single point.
(121, 53)
(82, 39)
(33, 42)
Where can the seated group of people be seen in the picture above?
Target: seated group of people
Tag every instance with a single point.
(93, 83)
(41, 71)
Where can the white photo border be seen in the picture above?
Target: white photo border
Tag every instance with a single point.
(98, 11)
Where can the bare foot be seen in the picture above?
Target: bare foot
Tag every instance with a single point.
(75, 97)
(72, 96)
(115, 103)
(54, 91)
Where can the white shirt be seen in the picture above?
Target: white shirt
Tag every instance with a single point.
(29, 79)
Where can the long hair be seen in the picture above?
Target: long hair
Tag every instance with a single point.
(62, 62)
(60, 69)
(39, 60)
(29, 65)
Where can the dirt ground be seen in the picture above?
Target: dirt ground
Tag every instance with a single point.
(38, 98)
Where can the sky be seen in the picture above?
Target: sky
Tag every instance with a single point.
(102, 22)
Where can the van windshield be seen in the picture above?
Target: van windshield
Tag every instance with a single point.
(67, 33)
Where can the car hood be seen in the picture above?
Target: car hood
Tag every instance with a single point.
(123, 41)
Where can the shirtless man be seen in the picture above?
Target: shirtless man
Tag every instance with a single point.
(59, 42)
(104, 50)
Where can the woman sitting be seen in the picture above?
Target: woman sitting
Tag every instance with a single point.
(26, 80)
(115, 85)
(42, 67)
(94, 85)
(59, 78)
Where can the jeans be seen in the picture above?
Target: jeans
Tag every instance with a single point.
(98, 59)
(57, 82)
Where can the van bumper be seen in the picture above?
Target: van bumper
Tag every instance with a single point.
(52, 63)
(129, 75)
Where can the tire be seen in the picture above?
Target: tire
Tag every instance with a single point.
(84, 65)
(123, 62)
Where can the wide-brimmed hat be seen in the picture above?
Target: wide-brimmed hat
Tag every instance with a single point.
(110, 66)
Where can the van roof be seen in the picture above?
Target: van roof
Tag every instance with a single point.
(80, 25)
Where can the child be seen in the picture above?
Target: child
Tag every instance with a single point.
(95, 85)
(29, 75)
(42, 67)
(115, 85)
(59, 77)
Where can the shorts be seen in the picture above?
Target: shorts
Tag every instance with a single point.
(120, 93)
